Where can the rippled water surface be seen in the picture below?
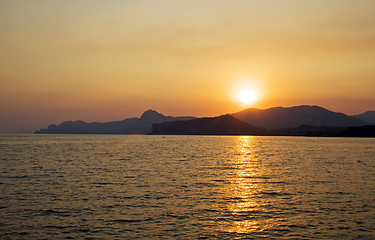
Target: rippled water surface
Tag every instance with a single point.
(186, 187)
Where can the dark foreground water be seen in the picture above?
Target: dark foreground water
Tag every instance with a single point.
(186, 187)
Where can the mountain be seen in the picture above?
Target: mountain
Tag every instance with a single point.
(140, 125)
(222, 125)
(313, 131)
(292, 117)
(279, 121)
(307, 130)
(229, 125)
(363, 131)
(368, 117)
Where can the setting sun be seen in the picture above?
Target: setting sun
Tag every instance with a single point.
(247, 97)
(246, 92)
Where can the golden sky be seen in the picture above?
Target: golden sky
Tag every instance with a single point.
(109, 60)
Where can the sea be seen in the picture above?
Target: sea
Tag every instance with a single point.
(186, 187)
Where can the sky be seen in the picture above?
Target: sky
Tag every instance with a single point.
(109, 60)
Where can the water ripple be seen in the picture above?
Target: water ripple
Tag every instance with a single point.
(186, 187)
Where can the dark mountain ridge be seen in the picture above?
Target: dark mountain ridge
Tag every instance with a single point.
(295, 121)
(229, 125)
(222, 125)
(362, 131)
(292, 117)
(140, 125)
(279, 121)
(368, 117)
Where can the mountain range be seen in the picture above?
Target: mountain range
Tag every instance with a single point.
(222, 125)
(292, 117)
(135, 125)
(296, 121)
(293, 121)
(368, 117)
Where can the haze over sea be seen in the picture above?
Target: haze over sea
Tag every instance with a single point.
(186, 187)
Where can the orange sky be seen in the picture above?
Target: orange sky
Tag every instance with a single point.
(109, 60)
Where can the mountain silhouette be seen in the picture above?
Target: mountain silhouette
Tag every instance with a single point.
(222, 125)
(308, 130)
(293, 121)
(363, 131)
(140, 125)
(229, 125)
(368, 117)
(292, 117)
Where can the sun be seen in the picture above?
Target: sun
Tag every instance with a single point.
(246, 92)
(246, 97)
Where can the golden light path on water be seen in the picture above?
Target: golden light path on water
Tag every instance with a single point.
(186, 187)
(244, 189)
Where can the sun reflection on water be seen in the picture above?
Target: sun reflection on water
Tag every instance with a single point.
(246, 208)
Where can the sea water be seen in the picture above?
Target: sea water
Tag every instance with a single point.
(186, 187)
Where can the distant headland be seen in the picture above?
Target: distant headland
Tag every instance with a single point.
(302, 120)
(141, 125)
